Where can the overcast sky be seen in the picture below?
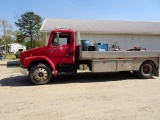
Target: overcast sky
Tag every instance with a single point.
(125, 10)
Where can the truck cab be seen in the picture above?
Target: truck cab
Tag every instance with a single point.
(58, 56)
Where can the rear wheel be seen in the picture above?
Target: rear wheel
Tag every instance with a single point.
(40, 74)
(146, 70)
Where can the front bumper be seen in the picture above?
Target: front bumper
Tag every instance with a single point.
(24, 71)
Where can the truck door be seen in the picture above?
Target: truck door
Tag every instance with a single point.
(62, 48)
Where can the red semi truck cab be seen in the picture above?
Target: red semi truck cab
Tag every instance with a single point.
(64, 54)
(57, 56)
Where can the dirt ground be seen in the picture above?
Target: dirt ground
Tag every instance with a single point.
(111, 96)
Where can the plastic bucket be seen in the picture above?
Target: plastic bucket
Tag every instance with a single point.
(85, 44)
(97, 47)
(90, 48)
(104, 46)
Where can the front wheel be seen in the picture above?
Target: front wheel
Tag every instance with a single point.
(146, 70)
(40, 74)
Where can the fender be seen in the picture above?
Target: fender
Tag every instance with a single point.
(28, 60)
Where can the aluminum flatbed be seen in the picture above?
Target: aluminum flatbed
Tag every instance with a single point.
(92, 55)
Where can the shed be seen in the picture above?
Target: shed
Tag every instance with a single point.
(127, 34)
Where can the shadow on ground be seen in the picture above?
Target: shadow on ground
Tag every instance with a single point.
(15, 63)
(93, 77)
(15, 81)
(77, 78)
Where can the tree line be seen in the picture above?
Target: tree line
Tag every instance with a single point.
(28, 33)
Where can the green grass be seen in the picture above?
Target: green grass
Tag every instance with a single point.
(10, 57)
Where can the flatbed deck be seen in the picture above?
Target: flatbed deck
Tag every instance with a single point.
(118, 54)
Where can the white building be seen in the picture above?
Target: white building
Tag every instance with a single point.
(127, 34)
(14, 47)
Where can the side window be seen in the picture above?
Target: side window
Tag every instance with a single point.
(64, 39)
(55, 40)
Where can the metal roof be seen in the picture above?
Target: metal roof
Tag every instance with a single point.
(102, 26)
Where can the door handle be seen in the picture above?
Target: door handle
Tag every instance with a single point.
(68, 51)
(53, 50)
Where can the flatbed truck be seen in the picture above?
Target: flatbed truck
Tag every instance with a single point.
(64, 54)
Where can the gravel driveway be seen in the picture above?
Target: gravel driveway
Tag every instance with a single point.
(111, 96)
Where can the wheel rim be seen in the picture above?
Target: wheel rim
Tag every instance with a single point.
(40, 74)
(147, 69)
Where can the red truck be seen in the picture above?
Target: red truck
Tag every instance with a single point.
(64, 54)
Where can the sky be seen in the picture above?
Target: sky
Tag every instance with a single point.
(123, 10)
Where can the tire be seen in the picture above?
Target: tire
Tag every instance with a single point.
(40, 74)
(146, 70)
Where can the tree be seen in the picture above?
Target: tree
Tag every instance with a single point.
(29, 24)
(20, 37)
(40, 39)
(1, 41)
(7, 32)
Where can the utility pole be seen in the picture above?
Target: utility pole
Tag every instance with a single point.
(4, 35)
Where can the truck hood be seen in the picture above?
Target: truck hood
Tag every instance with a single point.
(40, 51)
(43, 48)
